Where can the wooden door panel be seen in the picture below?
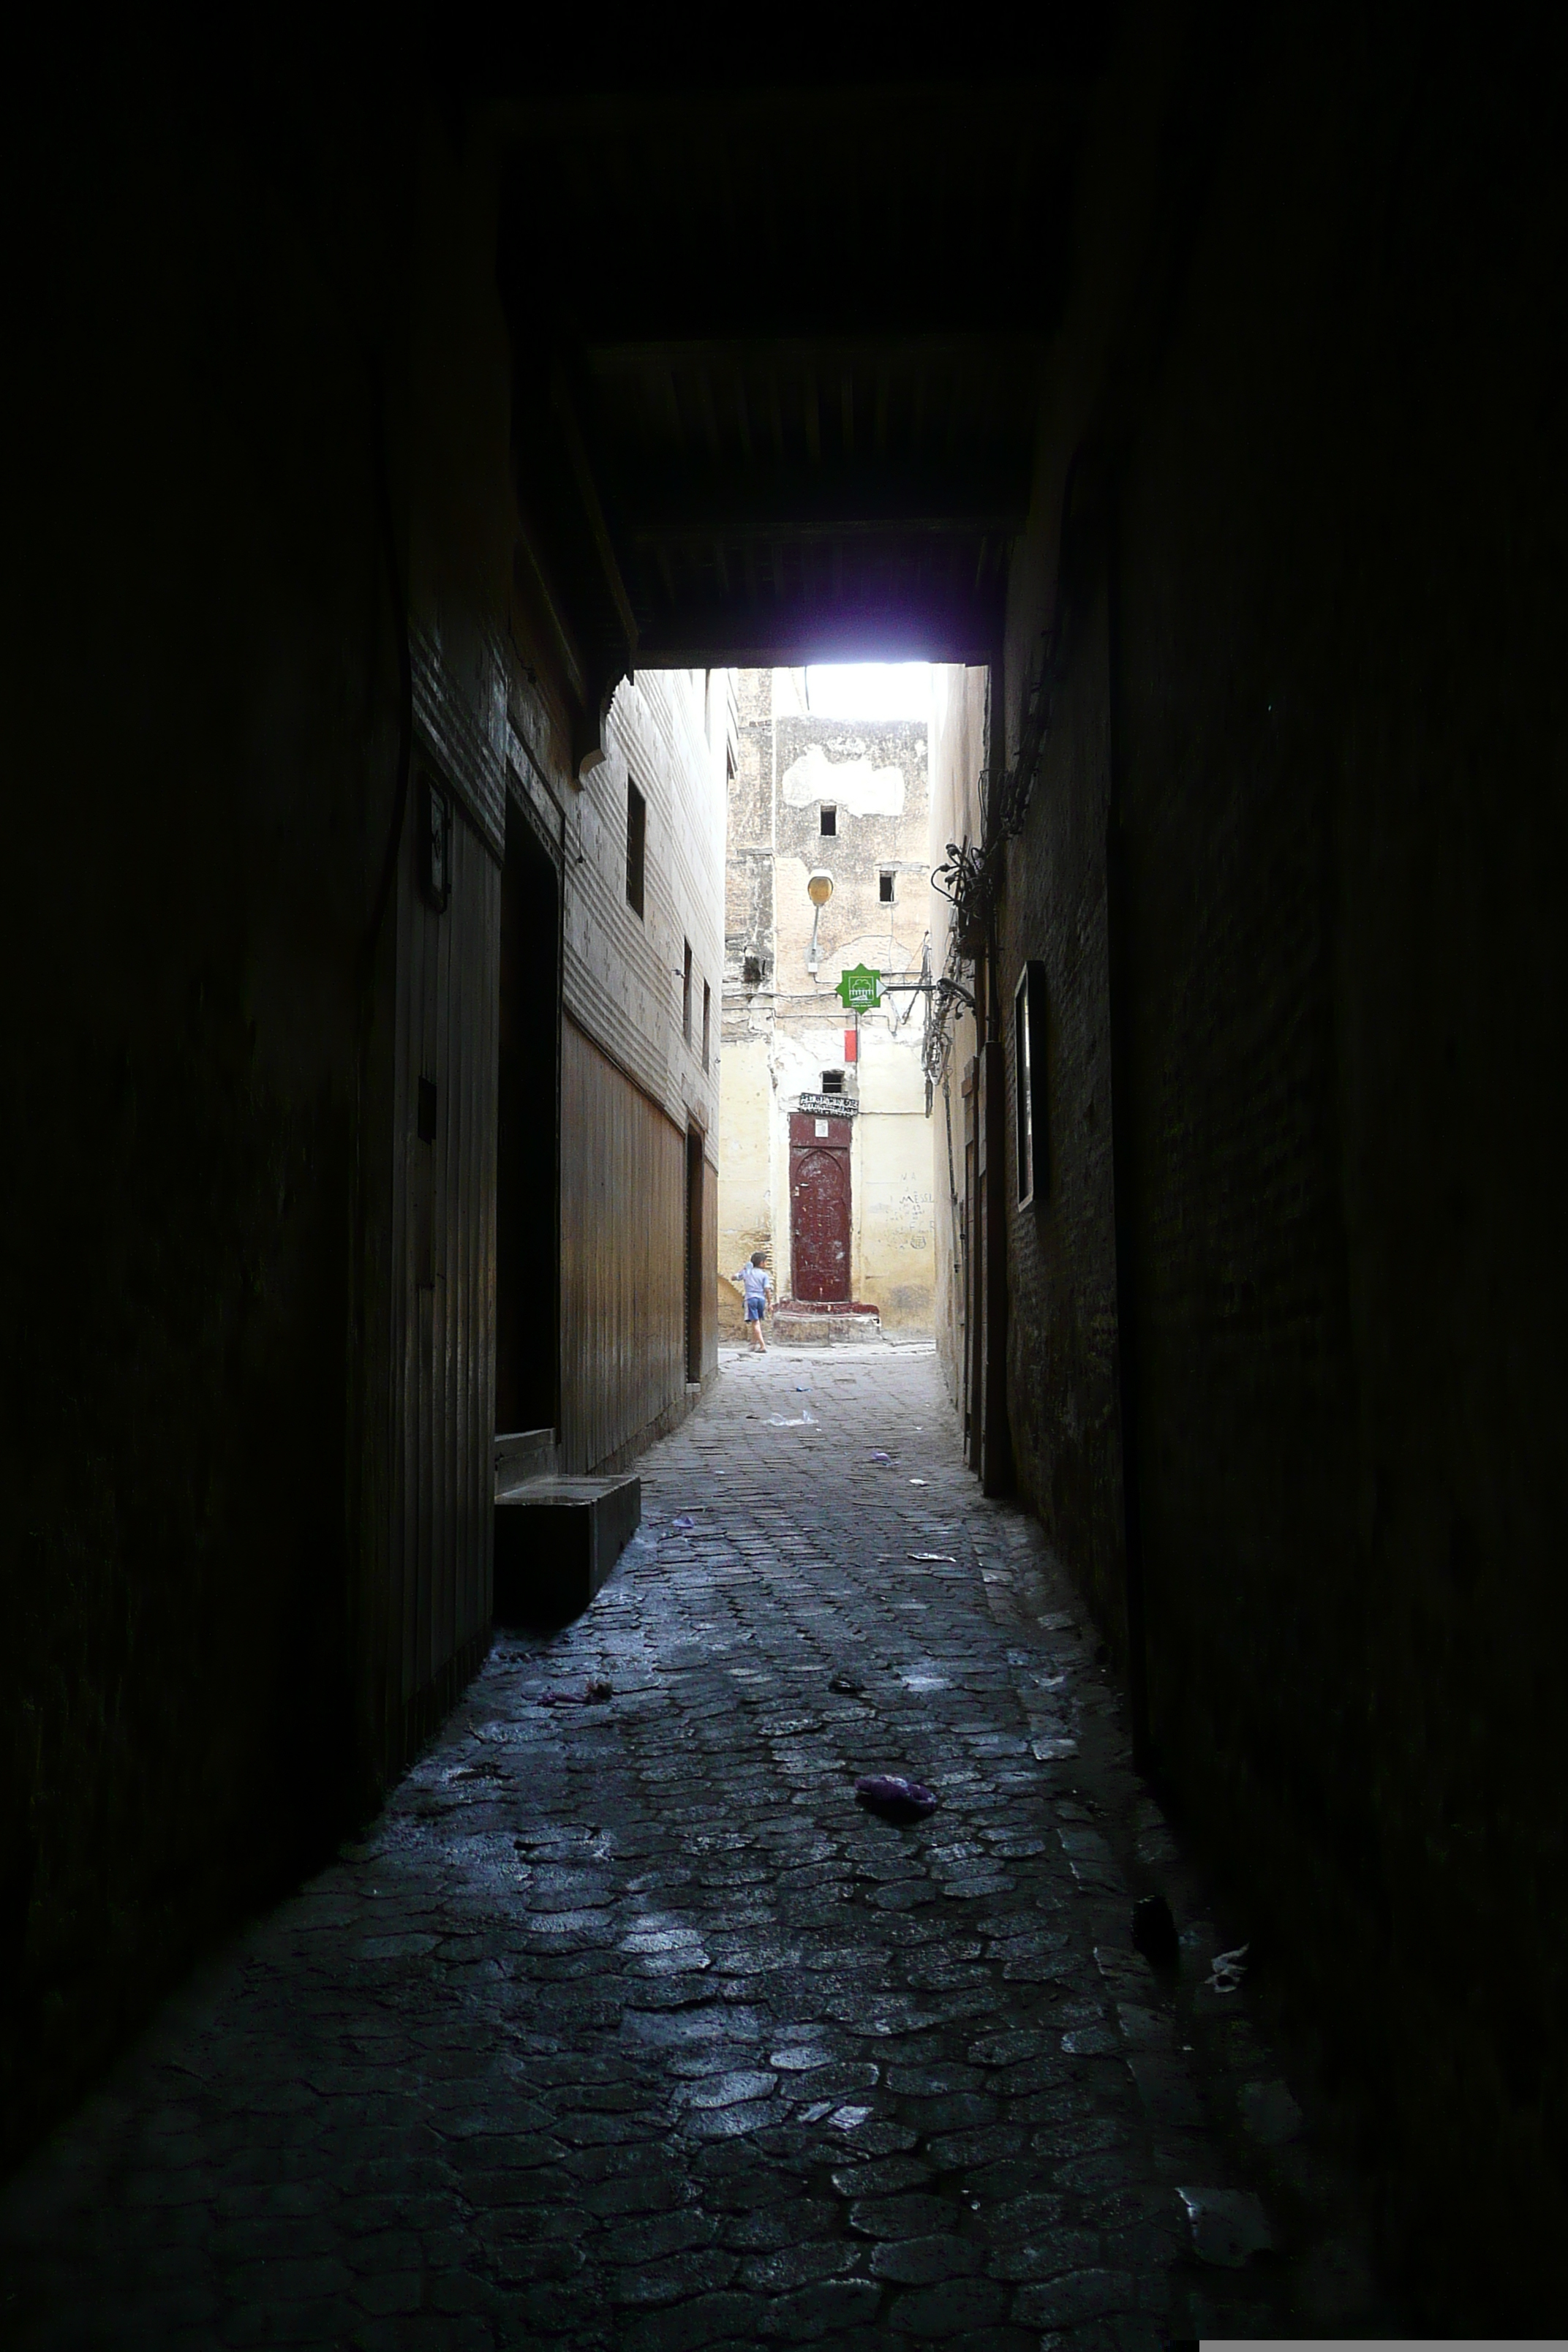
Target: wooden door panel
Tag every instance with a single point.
(819, 1221)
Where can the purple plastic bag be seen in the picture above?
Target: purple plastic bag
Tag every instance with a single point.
(894, 1798)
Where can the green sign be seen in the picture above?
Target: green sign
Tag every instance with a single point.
(861, 991)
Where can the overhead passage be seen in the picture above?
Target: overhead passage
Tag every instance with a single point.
(777, 365)
(768, 501)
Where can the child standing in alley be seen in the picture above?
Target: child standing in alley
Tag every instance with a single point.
(755, 1282)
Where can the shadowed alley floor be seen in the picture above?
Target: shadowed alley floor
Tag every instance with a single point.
(626, 2027)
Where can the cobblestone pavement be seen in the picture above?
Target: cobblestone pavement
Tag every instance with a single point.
(625, 2026)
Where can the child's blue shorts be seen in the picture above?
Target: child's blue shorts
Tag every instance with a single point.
(753, 1310)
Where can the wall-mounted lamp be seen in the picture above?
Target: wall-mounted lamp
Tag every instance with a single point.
(818, 889)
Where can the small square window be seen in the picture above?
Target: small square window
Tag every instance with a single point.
(828, 820)
(833, 1082)
(636, 846)
(885, 888)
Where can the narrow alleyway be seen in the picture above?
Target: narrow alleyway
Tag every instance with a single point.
(626, 2027)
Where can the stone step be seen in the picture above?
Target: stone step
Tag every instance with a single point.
(524, 1454)
(557, 1538)
(823, 1327)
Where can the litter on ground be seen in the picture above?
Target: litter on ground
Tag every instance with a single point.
(593, 1694)
(894, 1798)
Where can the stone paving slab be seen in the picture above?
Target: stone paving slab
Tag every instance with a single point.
(625, 2026)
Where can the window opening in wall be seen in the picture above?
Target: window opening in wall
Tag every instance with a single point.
(885, 888)
(751, 970)
(636, 846)
(1029, 1109)
(833, 1082)
(828, 820)
(686, 994)
(707, 1020)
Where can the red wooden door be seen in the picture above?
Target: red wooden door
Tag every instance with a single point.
(819, 1208)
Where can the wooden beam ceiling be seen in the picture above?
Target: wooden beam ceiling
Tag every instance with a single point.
(795, 342)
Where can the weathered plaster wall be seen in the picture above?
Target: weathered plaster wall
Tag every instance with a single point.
(1293, 863)
(786, 1027)
(746, 1220)
(875, 773)
(623, 971)
(960, 701)
(752, 1214)
(891, 1173)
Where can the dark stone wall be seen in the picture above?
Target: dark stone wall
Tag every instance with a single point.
(201, 706)
(1062, 1331)
(1333, 534)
